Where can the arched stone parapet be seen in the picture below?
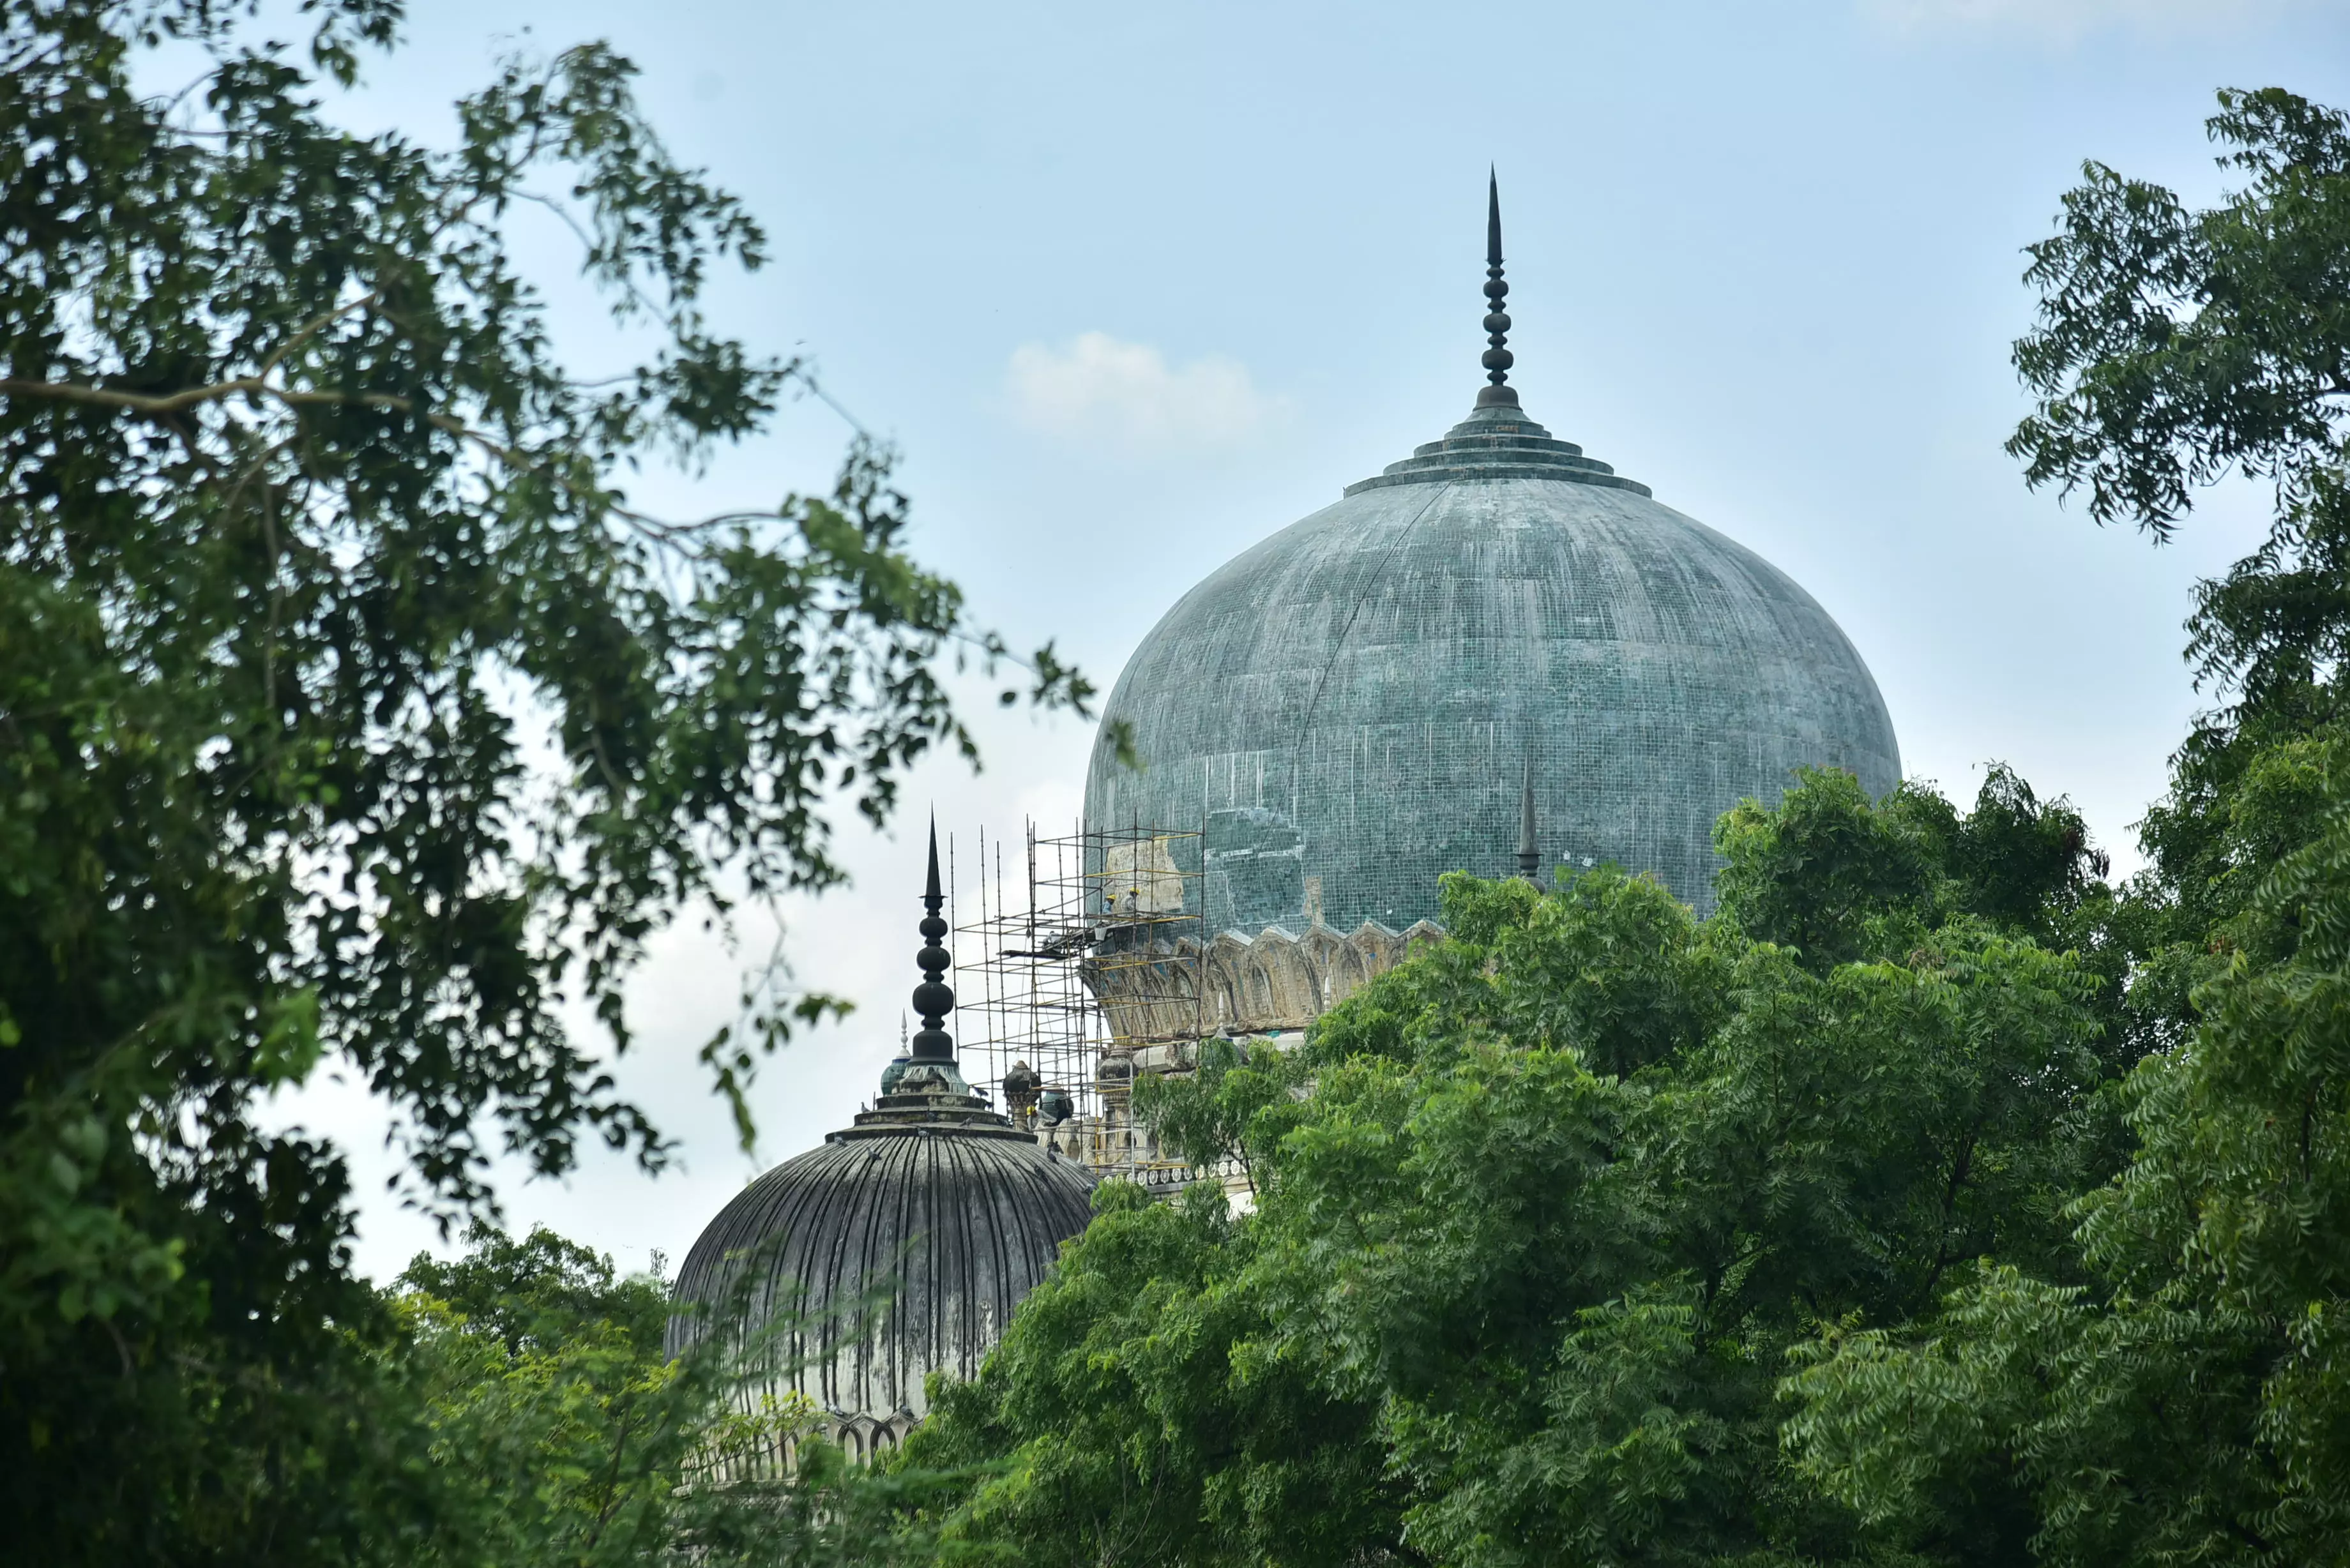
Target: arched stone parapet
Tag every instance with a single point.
(1284, 991)
(1347, 970)
(1325, 952)
(1227, 965)
(865, 1435)
(1273, 981)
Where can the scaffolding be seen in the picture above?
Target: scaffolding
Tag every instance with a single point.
(1088, 949)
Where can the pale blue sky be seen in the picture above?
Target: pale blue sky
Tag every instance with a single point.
(1135, 287)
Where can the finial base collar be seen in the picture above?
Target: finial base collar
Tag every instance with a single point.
(1497, 397)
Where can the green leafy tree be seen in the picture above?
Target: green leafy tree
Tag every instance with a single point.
(540, 1291)
(1147, 1406)
(1526, 1263)
(352, 712)
(1824, 872)
(1216, 1114)
(2171, 1389)
(563, 1431)
(559, 1433)
(2175, 347)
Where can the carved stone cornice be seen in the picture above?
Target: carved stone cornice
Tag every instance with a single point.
(1274, 981)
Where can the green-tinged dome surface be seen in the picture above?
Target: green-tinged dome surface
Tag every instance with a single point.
(1348, 709)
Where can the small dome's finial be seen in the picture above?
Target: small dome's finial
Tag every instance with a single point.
(1529, 858)
(932, 999)
(1497, 392)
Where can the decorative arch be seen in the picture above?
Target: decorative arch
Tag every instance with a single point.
(1260, 991)
(1349, 970)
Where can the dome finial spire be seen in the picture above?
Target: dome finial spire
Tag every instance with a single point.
(1497, 392)
(932, 999)
(1494, 218)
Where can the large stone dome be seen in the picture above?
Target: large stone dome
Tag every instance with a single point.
(1348, 708)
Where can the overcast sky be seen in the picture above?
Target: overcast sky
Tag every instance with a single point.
(1133, 287)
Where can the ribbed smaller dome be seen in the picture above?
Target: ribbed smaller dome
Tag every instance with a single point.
(897, 1250)
(932, 1216)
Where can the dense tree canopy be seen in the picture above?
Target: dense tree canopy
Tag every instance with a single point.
(1527, 1262)
(2172, 1388)
(555, 1431)
(352, 714)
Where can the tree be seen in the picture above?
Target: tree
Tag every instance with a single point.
(541, 1291)
(2175, 347)
(2169, 1388)
(562, 1432)
(1526, 1263)
(351, 711)
(1144, 1407)
(558, 1433)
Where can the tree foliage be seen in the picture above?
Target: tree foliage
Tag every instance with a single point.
(2170, 1390)
(352, 714)
(1526, 1265)
(555, 1431)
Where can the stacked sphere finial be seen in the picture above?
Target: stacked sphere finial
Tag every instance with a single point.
(933, 999)
(1498, 358)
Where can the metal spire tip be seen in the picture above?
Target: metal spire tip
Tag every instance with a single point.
(1497, 392)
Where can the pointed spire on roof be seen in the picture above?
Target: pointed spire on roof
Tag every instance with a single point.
(1529, 856)
(1497, 392)
(932, 999)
